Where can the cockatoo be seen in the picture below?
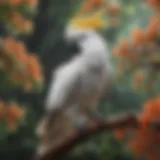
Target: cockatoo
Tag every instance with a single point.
(78, 85)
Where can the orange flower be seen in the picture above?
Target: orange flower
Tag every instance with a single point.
(11, 2)
(97, 3)
(152, 108)
(136, 147)
(15, 17)
(20, 24)
(116, 51)
(86, 7)
(153, 2)
(15, 111)
(90, 5)
(152, 29)
(14, 2)
(17, 77)
(123, 47)
(16, 48)
(11, 122)
(126, 53)
(124, 50)
(8, 44)
(34, 68)
(20, 52)
(151, 33)
(144, 140)
(138, 36)
(26, 66)
(145, 135)
(2, 109)
(27, 26)
(31, 3)
(10, 114)
(120, 133)
(114, 9)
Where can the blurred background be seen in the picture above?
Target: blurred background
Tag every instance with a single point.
(32, 45)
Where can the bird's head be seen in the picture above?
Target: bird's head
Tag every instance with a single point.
(81, 27)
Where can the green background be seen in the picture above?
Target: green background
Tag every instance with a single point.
(47, 42)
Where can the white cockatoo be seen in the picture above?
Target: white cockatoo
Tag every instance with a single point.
(78, 85)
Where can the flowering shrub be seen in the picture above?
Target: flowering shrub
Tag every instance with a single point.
(10, 114)
(21, 67)
(145, 140)
(140, 54)
(140, 57)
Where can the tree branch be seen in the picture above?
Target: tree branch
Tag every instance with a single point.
(126, 121)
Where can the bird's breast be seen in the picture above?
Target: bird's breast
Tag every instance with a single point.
(93, 81)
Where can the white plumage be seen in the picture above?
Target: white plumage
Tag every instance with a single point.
(85, 77)
(78, 85)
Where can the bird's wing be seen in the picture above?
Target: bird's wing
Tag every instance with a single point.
(65, 87)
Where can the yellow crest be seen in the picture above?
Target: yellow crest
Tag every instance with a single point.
(93, 21)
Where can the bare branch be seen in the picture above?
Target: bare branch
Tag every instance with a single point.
(77, 137)
(125, 121)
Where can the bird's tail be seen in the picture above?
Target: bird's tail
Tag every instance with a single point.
(53, 128)
(45, 123)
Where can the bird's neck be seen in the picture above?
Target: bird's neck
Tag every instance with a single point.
(95, 52)
(95, 46)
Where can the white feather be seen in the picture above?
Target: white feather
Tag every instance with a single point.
(83, 78)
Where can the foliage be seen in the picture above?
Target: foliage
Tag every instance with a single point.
(10, 113)
(18, 67)
(139, 57)
(145, 140)
(132, 33)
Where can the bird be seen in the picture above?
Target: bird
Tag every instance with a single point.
(77, 85)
